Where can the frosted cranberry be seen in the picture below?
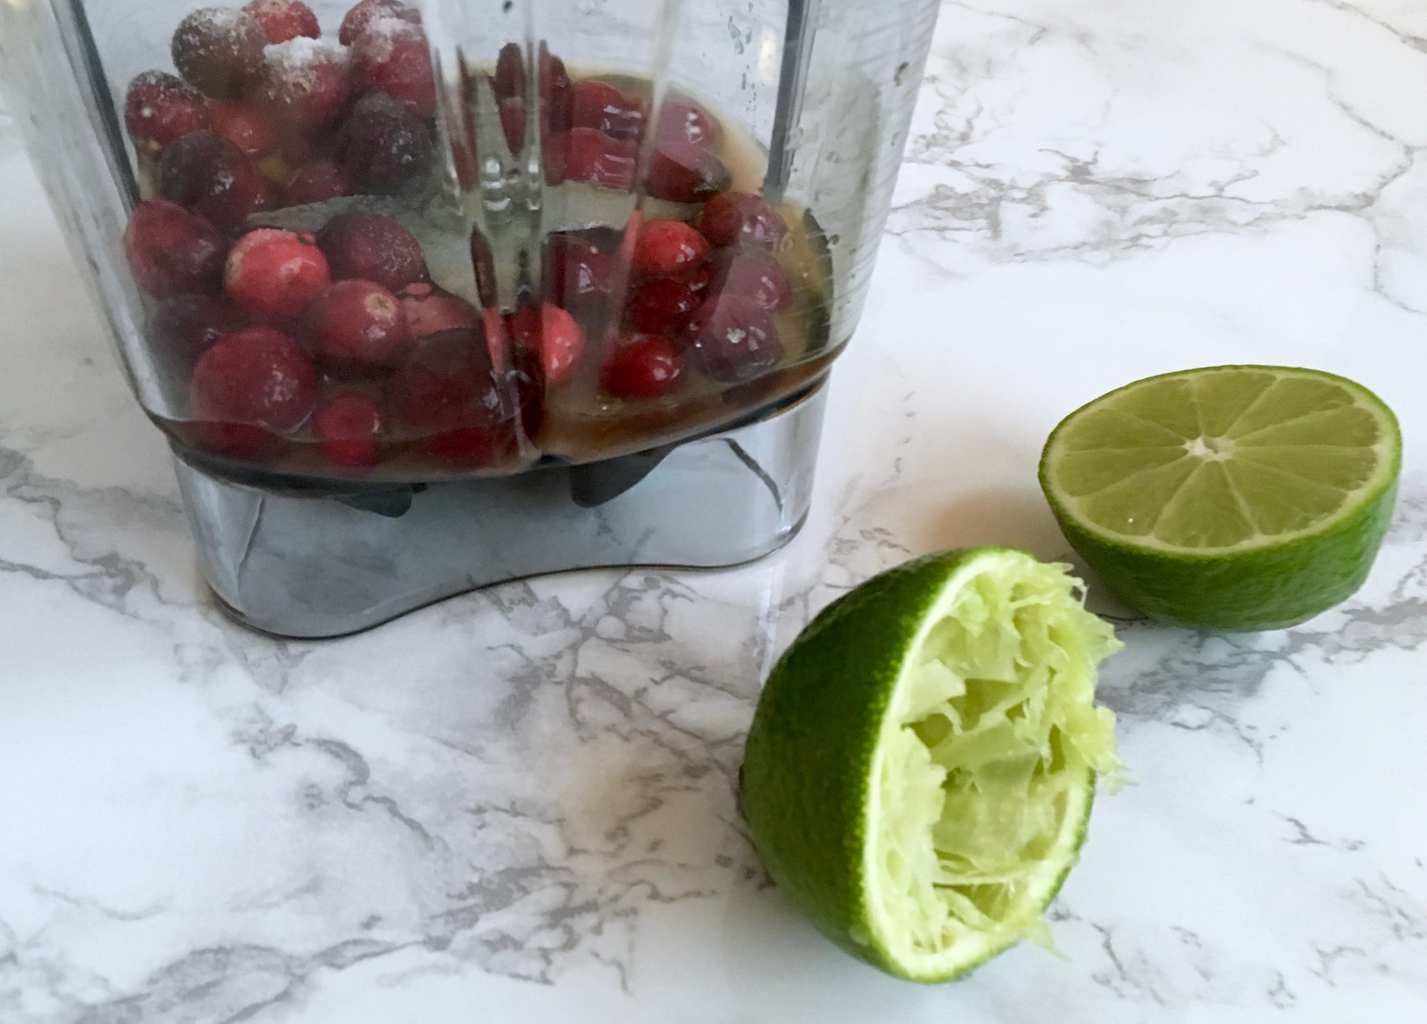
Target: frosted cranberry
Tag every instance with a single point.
(186, 326)
(173, 251)
(357, 327)
(645, 366)
(732, 218)
(246, 126)
(360, 17)
(219, 50)
(512, 122)
(161, 108)
(275, 273)
(248, 384)
(733, 340)
(374, 248)
(555, 89)
(685, 121)
(509, 80)
(599, 105)
(350, 427)
(394, 57)
(304, 83)
(661, 305)
(383, 145)
(428, 310)
(592, 156)
(752, 274)
(316, 182)
(211, 176)
(447, 382)
(552, 332)
(282, 20)
(668, 247)
(685, 173)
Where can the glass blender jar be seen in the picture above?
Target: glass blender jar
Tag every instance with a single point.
(427, 296)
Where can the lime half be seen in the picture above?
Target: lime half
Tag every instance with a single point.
(920, 771)
(1228, 498)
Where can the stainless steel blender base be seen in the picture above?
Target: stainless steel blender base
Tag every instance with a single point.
(305, 566)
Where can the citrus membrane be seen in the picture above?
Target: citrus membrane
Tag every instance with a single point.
(921, 768)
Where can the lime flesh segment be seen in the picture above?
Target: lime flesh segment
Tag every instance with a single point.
(920, 772)
(1267, 509)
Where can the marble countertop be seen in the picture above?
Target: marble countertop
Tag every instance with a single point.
(520, 802)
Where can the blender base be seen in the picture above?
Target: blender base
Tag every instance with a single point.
(323, 566)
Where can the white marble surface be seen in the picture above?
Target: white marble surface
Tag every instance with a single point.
(518, 805)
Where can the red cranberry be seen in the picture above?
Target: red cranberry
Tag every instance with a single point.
(509, 80)
(305, 83)
(282, 20)
(357, 327)
(186, 326)
(219, 50)
(383, 145)
(374, 248)
(686, 121)
(316, 182)
(360, 17)
(732, 218)
(668, 247)
(733, 339)
(553, 333)
(251, 382)
(579, 272)
(212, 177)
(276, 273)
(161, 108)
(661, 305)
(685, 173)
(512, 122)
(554, 91)
(394, 57)
(350, 427)
(599, 105)
(645, 366)
(446, 388)
(173, 251)
(245, 126)
(752, 274)
(592, 156)
(429, 311)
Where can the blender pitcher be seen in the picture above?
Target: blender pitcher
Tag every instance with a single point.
(427, 296)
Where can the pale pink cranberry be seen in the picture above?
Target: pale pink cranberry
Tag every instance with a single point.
(246, 126)
(683, 172)
(248, 386)
(752, 274)
(219, 50)
(733, 218)
(273, 273)
(161, 108)
(372, 247)
(383, 145)
(304, 83)
(282, 20)
(172, 251)
(350, 426)
(686, 121)
(594, 157)
(428, 310)
(603, 107)
(668, 247)
(733, 339)
(552, 332)
(644, 366)
(357, 327)
(360, 17)
(661, 305)
(394, 57)
(211, 176)
(317, 182)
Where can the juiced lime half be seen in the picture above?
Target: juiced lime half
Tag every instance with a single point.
(921, 767)
(1229, 497)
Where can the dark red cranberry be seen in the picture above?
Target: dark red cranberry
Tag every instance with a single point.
(552, 332)
(512, 122)
(752, 274)
(282, 20)
(186, 326)
(644, 366)
(357, 327)
(304, 83)
(447, 383)
(668, 247)
(211, 176)
(350, 428)
(579, 272)
(428, 310)
(686, 121)
(472, 447)
(555, 91)
(247, 385)
(316, 182)
(733, 218)
(360, 17)
(372, 247)
(685, 173)
(661, 305)
(219, 50)
(383, 145)
(599, 105)
(173, 251)
(592, 156)
(162, 108)
(275, 273)
(733, 340)
(555, 152)
(394, 57)
(509, 80)
(246, 126)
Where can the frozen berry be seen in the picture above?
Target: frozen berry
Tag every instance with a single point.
(428, 310)
(372, 247)
(553, 333)
(732, 218)
(447, 390)
(219, 50)
(276, 273)
(394, 57)
(246, 126)
(357, 327)
(186, 326)
(282, 20)
(383, 145)
(661, 305)
(212, 176)
(316, 182)
(350, 427)
(668, 247)
(305, 84)
(579, 272)
(685, 121)
(509, 80)
(599, 105)
(644, 366)
(512, 122)
(685, 173)
(249, 384)
(173, 251)
(554, 92)
(161, 108)
(733, 340)
(592, 156)
(368, 11)
(752, 274)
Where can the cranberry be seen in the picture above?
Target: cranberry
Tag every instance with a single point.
(554, 91)
(173, 251)
(446, 388)
(245, 126)
(731, 218)
(686, 121)
(276, 273)
(219, 50)
(357, 327)
(509, 80)
(512, 122)
(394, 57)
(250, 383)
(646, 366)
(553, 333)
(186, 326)
(579, 272)
(161, 108)
(383, 145)
(668, 247)
(359, 18)
(305, 83)
(428, 311)
(316, 182)
(592, 156)
(374, 248)
(733, 339)
(211, 176)
(282, 20)
(661, 305)
(685, 173)
(599, 105)
(350, 427)
(752, 274)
